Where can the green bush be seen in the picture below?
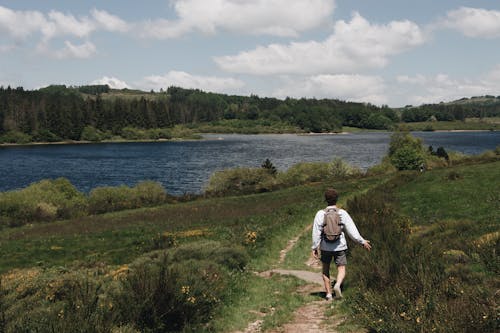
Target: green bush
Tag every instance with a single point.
(131, 133)
(110, 199)
(54, 300)
(240, 181)
(426, 286)
(42, 201)
(402, 139)
(384, 167)
(159, 133)
(304, 172)
(407, 158)
(339, 169)
(158, 292)
(90, 133)
(15, 137)
(406, 152)
(45, 135)
(163, 296)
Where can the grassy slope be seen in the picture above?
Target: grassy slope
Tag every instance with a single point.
(118, 238)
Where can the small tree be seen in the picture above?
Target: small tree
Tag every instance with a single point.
(406, 152)
(268, 165)
(440, 152)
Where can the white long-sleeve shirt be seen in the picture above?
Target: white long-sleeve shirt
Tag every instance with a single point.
(348, 226)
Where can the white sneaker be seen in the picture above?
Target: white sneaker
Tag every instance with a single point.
(338, 292)
(329, 297)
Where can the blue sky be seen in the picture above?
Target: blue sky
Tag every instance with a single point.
(384, 52)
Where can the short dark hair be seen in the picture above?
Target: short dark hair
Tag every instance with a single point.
(331, 196)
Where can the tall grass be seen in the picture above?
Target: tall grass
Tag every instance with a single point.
(158, 292)
(423, 279)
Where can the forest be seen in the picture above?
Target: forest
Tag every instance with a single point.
(96, 112)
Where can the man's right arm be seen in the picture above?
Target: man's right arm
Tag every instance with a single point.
(316, 230)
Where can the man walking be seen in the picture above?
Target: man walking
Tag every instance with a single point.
(335, 250)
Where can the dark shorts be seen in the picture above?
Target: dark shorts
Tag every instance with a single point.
(340, 257)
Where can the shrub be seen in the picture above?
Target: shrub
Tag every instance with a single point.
(90, 133)
(407, 158)
(402, 139)
(405, 151)
(240, 181)
(45, 135)
(42, 201)
(110, 199)
(15, 137)
(425, 288)
(304, 172)
(159, 295)
(384, 167)
(182, 132)
(54, 300)
(339, 169)
(149, 193)
(268, 165)
(131, 133)
(159, 133)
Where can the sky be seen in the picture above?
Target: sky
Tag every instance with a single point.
(384, 52)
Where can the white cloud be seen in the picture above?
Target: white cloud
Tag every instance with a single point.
(161, 29)
(67, 24)
(269, 17)
(353, 46)
(186, 80)
(70, 50)
(112, 82)
(108, 21)
(441, 87)
(358, 88)
(21, 24)
(474, 22)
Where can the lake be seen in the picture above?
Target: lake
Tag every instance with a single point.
(185, 167)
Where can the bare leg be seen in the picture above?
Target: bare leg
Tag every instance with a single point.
(326, 278)
(340, 278)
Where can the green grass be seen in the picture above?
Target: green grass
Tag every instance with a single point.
(435, 241)
(473, 124)
(473, 196)
(450, 210)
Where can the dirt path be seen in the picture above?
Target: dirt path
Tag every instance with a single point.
(311, 317)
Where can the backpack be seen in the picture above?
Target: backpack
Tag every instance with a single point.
(332, 226)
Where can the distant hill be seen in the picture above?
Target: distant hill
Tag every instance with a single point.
(480, 100)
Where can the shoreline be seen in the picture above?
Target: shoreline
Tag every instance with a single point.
(74, 142)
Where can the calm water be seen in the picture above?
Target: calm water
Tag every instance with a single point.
(184, 167)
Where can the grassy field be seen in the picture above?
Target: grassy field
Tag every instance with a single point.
(471, 124)
(438, 228)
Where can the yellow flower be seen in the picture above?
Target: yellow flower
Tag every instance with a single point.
(251, 237)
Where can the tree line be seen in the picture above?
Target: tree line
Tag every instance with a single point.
(59, 113)
(476, 107)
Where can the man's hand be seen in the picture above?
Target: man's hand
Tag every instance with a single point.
(367, 245)
(315, 253)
